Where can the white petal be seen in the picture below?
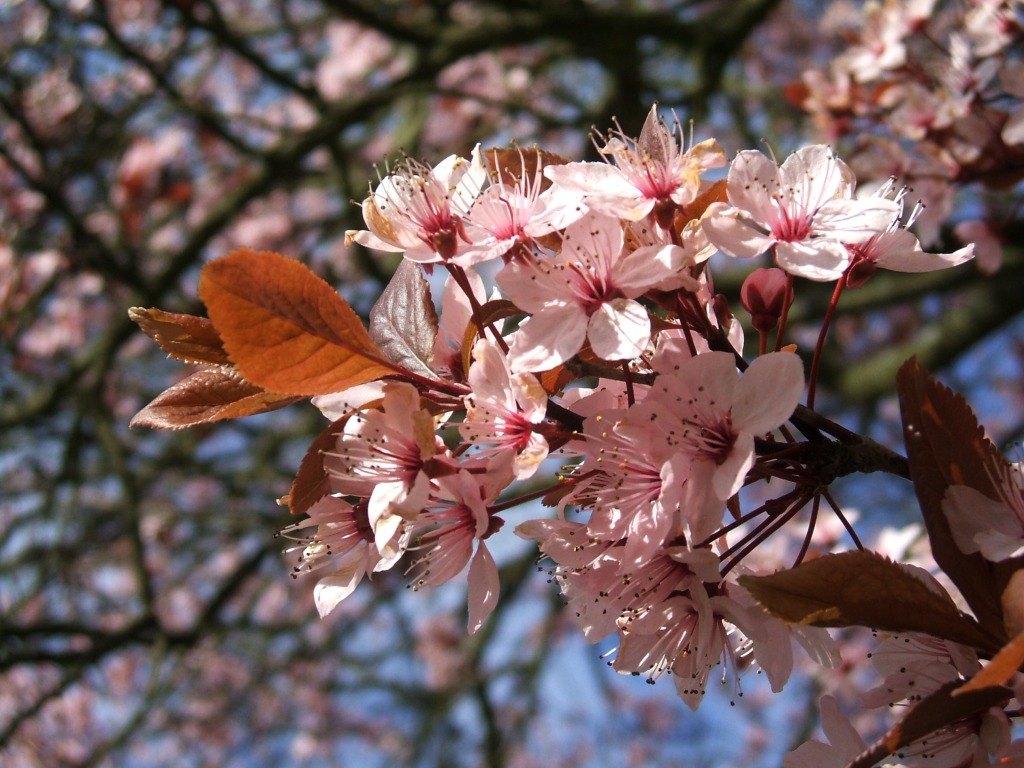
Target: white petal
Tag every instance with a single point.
(731, 473)
(338, 404)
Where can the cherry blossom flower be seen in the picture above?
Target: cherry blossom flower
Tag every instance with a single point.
(420, 211)
(914, 665)
(994, 527)
(991, 25)
(354, 51)
(881, 46)
(448, 529)
(383, 455)
(588, 292)
(506, 214)
(803, 209)
(503, 410)
(342, 540)
(687, 634)
(601, 589)
(962, 81)
(897, 249)
(633, 492)
(700, 407)
(650, 174)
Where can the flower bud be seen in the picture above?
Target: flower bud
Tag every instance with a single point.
(764, 296)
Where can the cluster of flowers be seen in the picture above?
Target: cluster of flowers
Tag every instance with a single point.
(931, 94)
(604, 346)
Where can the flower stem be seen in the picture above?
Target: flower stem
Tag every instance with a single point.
(816, 363)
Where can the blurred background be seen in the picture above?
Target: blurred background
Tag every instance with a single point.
(147, 613)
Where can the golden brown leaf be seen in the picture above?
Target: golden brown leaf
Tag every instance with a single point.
(285, 328)
(183, 337)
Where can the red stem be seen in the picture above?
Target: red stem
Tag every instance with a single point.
(816, 363)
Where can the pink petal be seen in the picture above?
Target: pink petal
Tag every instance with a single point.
(619, 330)
(732, 232)
(594, 235)
(530, 457)
(845, 743)
(549, 338)
(367, 239)
(489, 377)
(901, 252)
(821, 259)
(768, 392)
(332, 589)
(530, 395)
(854, 221)
(527, 287)
(647, 267)
(753, 182)
(731, 473)
(979, 523)
(337, 404)
(483, 587)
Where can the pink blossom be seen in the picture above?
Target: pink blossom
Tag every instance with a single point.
(504, 409)
(600, 588)
(358, 57)
(447, 531)
(587, 292)
(803, 209)
(914, 665)
(420, 211)
(342, 540)
(701, 407)
(383, 455)
(991, 25)
(634, 492)
(687, 635)
(507, 214)
(881, 45)
(650, 174)
(897, 249)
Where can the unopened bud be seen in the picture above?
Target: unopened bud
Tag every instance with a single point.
(764, 296)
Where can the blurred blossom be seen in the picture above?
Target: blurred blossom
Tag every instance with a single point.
(353, 51)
